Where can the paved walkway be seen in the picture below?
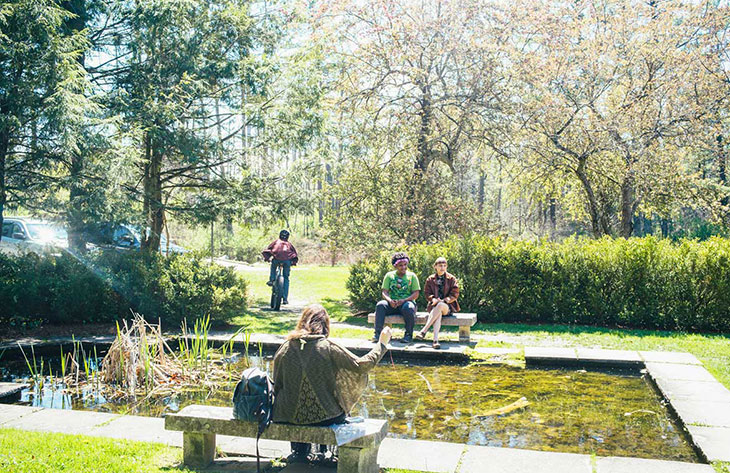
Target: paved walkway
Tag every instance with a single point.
(394, 453)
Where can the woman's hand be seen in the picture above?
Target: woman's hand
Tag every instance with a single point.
(385, 335)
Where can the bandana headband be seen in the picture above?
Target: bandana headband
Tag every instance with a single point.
(406, 259)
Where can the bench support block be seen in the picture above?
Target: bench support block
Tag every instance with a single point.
(357, 460)
(464, 333)
(198, 449)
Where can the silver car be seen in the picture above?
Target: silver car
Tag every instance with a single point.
(22, 235)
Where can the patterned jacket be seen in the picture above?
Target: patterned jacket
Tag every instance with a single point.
(315, 379)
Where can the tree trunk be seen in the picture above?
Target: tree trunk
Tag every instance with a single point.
(480, 198)
(77, 192)
(627, 206)
(153, 198)
(722, 166)
(553, 221)
(593, 209)
(4, 146)
(424, 134)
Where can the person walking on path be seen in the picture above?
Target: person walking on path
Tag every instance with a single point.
(316, 380)
(280, 251)
(400, 290)
(442, 294)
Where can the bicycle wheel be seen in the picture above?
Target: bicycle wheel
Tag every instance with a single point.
(279, 285)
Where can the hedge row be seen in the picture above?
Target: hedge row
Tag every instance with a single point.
(637, 282)
(104, 286)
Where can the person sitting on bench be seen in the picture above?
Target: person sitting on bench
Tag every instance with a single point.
(317, 381)
(400, 291)
(442, 292)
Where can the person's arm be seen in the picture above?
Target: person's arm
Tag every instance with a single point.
(388, 299)
(429, 290)
(295, 258)
(453, 293)
(267, 253)
(345, 359)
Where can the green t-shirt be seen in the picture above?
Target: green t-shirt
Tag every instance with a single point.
(401, 287)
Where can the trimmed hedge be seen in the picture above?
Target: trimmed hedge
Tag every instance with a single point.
(638, 282)
(104, 286)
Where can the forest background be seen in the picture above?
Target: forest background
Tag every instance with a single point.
(365, 125)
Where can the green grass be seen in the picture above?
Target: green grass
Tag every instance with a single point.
(307, 283)
(31, 452)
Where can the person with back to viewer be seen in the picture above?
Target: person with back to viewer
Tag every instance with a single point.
(442, 292)
(317, 381)
(400, 290)
(281, 251)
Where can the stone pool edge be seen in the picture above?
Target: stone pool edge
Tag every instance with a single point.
(424, 455)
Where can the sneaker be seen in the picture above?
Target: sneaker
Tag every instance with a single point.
(285, 302)
(407, 339)
(376, 338)
(269, 283)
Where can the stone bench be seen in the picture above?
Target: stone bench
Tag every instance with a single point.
(463, 320)
(200, 425)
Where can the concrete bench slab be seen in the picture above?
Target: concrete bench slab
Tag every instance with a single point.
(463, 320)
(513, 460)
(631, 465)
(713, 441)
(201, 424)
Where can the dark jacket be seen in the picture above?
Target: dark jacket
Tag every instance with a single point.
(281, 250)
(451, 289)
(315, 379)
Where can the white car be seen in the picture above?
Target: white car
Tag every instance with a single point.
(22, 235)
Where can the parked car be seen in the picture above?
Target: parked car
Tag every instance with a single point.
(23, 234)
(124, 237)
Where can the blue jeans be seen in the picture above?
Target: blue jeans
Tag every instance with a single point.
(407, 310)
(287, 269)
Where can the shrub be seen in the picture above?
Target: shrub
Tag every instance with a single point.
(637, 282)
(104, 286)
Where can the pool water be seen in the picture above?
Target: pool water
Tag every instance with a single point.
(565, 410)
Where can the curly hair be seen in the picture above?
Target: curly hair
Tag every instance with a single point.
(399, 255)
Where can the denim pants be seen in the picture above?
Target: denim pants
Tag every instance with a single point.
(286, 271)
(407, 310)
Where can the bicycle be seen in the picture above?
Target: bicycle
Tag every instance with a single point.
(277, 288)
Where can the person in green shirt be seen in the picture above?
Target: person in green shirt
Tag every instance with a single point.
(400, 291)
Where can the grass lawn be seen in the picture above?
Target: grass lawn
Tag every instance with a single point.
(39, 452)
(31, 452)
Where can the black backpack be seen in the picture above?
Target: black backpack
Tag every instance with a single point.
(253, 400)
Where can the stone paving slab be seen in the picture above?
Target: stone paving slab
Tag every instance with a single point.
(609, 357)
(643, 465)
(478, 459)
(551, 355)
(145, 429)
(669, 357)
(10, 412)
(708, 413)
(677, 371)
(60, 420)
(713, 441)
(420, 455)
(678, 389)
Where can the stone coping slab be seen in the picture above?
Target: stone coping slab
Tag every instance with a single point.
(713, 441)
(605, 357)
(146, 429)
(679, 389)
(643, 465)
(551, 355)
(420, 455)
(60, 420)
(477, 459)
(11, 390)
(678, 371)
(669, 357)
(10, 412)
(707, 413)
